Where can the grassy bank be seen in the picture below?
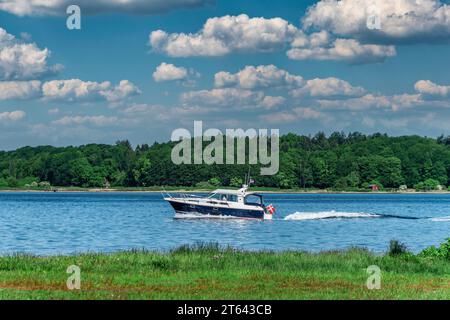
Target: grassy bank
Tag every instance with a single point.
(207, 272)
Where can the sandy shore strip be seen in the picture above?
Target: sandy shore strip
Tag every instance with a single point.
(112, 190)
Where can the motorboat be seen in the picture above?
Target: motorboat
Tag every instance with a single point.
(222, 203)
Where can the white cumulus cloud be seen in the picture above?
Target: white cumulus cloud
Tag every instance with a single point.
(75, 90)
(169, 72)
(401, 20)
(19, 89)
(12, 116)
(22, 61)
(270, 102)
(122, 91)
(328, 88)
(345, 50)
(226, 97)
(222, 35)
(263, 76)
(430, 89)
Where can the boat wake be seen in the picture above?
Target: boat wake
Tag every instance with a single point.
(201, 216)
(329, 215)
(320, 215)
(440, 219)
(349, 215)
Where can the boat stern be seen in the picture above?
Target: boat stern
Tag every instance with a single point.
(268, 216)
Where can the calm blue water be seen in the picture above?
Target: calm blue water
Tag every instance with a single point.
(63, 223)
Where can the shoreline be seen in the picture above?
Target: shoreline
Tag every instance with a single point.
(280, 191)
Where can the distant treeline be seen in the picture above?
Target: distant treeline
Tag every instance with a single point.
(340, 161)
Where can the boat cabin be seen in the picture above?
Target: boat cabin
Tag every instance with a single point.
(239, 196)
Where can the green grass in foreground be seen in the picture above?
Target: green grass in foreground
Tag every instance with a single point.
(207, 272)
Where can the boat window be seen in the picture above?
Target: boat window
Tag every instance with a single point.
(223, 197)
(253, 199)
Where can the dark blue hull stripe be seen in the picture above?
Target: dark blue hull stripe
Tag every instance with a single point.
(183, 208)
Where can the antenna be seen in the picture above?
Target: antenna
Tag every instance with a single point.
(248, 176)
(249, 180)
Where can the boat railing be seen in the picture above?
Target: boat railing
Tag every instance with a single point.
(165, 194)
(187, 195)
(195, 198)
(192, 197)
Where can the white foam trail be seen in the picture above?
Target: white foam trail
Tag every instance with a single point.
(439, 219)
(200, 216)
(329, 215)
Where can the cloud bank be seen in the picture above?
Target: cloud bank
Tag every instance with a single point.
(241, 34)
(58, 7)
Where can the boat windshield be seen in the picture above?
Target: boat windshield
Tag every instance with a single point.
(254, 199)
(224, 197)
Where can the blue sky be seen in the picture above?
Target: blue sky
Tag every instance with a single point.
(297, 66)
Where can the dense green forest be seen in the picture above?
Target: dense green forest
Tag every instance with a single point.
(340, 161)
